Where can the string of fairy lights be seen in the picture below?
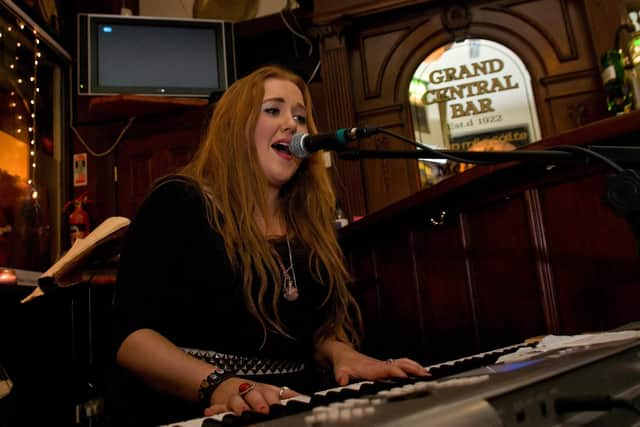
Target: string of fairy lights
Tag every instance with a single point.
(23, 78)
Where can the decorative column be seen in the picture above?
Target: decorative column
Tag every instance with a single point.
(339, 105)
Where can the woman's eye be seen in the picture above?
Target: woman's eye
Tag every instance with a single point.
(301, 119)
(272, 111)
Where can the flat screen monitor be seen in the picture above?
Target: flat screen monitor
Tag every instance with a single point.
(154, 56)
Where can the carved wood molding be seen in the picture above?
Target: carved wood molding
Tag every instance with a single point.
(543, 264)
(374, 92)
(387, 110)
(507, 8)
(335, 29)
(456, 19)
(340, 111)
(465, 238)
(566, 77)
(381, 143)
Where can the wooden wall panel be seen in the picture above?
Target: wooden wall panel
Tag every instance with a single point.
(152, 151)
(367, 288)
(552, 37)
(447, 300)
(594, 256)
(388, 179)
(401, 327)
(503, 272)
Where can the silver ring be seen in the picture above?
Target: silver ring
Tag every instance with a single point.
(282, 391)
(389, 361)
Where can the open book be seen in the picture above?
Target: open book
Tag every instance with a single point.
(100, 245)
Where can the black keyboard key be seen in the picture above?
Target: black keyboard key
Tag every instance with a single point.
(231, 420)
(295, 407)
(277, 410)
(210, 422)
(252, 417)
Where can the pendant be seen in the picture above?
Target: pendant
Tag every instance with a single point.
(290, 293)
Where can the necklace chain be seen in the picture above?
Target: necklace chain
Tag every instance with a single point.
(289, 283)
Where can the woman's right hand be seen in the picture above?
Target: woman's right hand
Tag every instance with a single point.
(229, 396)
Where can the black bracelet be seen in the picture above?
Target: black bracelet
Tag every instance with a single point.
(209, 384)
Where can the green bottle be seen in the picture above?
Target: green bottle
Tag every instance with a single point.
(619, 97)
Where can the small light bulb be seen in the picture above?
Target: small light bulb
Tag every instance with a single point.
(33, 115)
(35, 62)
(29, 182)
(19, 130)
(11, 66)
(19, 117)
(18, 44)
(22, 26)
(19, 80)
(32, 153)
(37, 41)
(34, 195)
(30, 129)
(33, 165)
(32, 78)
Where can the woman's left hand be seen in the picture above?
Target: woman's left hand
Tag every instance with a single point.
(350, 364)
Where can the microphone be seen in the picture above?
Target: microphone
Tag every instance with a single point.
(303, 144)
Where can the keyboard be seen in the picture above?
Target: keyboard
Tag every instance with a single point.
(358, 401)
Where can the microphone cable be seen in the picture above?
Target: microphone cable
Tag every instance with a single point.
(460, 157)
(436, 153)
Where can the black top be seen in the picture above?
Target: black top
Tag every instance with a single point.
(175, 278)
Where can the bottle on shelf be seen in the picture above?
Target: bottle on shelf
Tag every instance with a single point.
(617, 90)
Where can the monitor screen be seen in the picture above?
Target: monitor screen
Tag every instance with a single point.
(155, 56)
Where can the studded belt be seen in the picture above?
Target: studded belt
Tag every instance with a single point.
(246, 365)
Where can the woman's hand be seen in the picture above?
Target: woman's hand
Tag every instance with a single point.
(238, 395)
(350, 364)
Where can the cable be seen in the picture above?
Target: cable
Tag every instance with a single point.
(436, 154)
(315, 71)
(300, 35)
(460, 158)
(589, 153)
(82, 141)
(110, 149)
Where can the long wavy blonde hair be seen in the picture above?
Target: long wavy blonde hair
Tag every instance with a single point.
(227, 169)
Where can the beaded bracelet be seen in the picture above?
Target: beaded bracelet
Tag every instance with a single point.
(209, 384)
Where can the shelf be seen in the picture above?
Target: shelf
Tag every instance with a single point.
(104, 108)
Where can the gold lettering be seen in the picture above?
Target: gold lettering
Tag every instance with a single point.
(457, 111)
(507, 79)
(450, 73)
(482, 87)
(485, 106)
(479, 67)
(465, 73)
(435, 77)
(494, 65)
(496, 86)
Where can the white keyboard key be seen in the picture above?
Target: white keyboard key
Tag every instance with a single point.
(357, 412)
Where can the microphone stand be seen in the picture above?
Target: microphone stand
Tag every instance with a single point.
(622, 190)
(619, 154)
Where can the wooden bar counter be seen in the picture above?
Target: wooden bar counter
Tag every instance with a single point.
(497, 254)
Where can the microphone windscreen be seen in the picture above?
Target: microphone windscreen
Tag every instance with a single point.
(296, 147)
